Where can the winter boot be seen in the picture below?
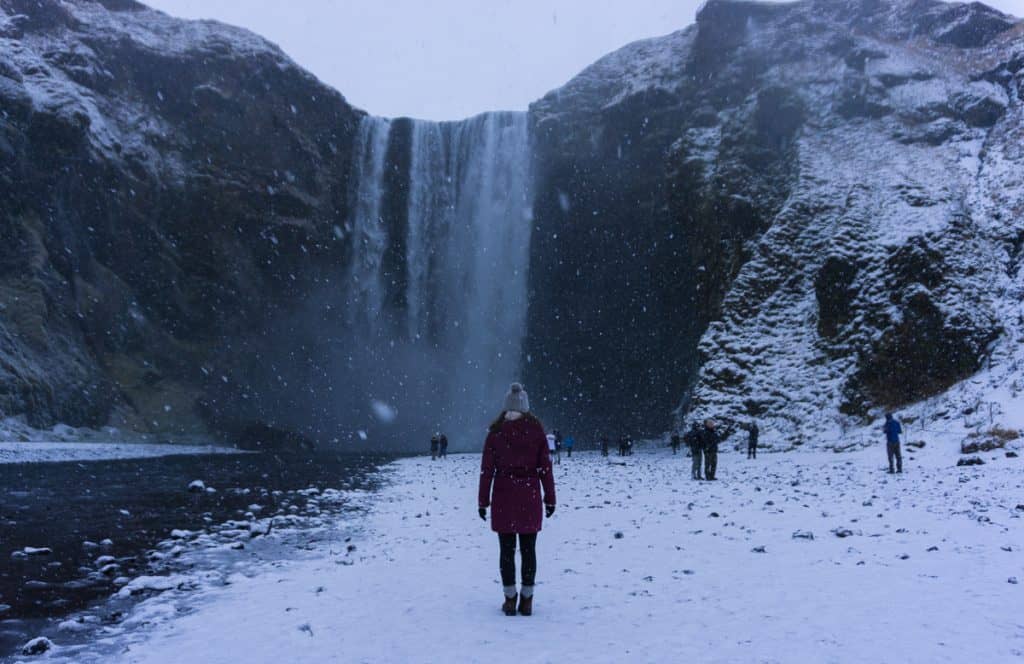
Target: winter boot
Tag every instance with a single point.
(526, 601)
(509, 607)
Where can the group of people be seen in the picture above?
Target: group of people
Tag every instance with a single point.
(625, 445)
(438, 446)
(702, 440)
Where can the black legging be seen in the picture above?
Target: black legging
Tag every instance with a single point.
(528, 551)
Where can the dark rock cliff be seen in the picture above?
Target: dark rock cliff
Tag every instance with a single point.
(740, 219)
(783, 210)
(168, 191)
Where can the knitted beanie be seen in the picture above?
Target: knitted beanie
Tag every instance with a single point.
(517, 399)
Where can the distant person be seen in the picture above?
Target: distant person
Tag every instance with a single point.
(674, 442)
(892, 431)
(435, 446)
(569, 442)
(444, 446)
(752, 435)
(709, 442)
(558, 446)
(693, 442)
(629, 445)
(604, 446)
(552, 447)
(515, 467)
(622, 446)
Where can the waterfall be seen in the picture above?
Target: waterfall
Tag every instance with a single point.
(368, 235)
(444, 324)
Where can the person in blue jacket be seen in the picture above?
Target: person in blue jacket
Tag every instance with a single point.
(892, 431)
(569, 442)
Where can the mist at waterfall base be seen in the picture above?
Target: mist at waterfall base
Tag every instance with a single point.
(422, 333)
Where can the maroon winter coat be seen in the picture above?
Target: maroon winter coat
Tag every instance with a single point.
(517, 463)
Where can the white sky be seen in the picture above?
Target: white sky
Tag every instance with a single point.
(449, 59)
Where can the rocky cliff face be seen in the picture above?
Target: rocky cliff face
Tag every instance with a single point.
(798, 213)
(827, 195)
(169, 191)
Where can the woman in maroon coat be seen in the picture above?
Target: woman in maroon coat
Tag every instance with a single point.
(517, 464)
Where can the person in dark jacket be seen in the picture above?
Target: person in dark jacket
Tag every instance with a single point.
(515, 467)
(622, 446)
(674, 442)
(443, 440)
(752, 435)
(892, 431)
(435, 444)
(709, 441)
(604, 446)
(692, 440)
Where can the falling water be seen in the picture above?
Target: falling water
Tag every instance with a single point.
(368, 233)
(450, 341)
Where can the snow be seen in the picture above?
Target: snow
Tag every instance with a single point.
(57, 452)
(638, 564)
(20, 443)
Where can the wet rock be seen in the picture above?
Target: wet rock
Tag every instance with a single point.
(833, 290)
(970, 461)
(842, 532)
(965, 25)
(980, 112)
(759, 549)
(803, 534)
(37, 646)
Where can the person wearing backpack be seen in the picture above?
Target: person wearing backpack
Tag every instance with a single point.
(514, 471)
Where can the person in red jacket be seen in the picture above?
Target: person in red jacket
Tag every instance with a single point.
(516, 465)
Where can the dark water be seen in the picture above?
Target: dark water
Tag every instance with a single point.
(135, 504)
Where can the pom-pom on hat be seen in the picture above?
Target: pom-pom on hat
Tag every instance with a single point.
(517, 399)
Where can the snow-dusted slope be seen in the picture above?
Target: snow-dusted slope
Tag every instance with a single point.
(891, 271)
(827, 194)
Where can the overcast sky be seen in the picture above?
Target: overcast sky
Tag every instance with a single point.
(449, 59)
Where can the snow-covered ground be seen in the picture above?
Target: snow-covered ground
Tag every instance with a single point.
(20, 443)
(48, 452)
(641, 564)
